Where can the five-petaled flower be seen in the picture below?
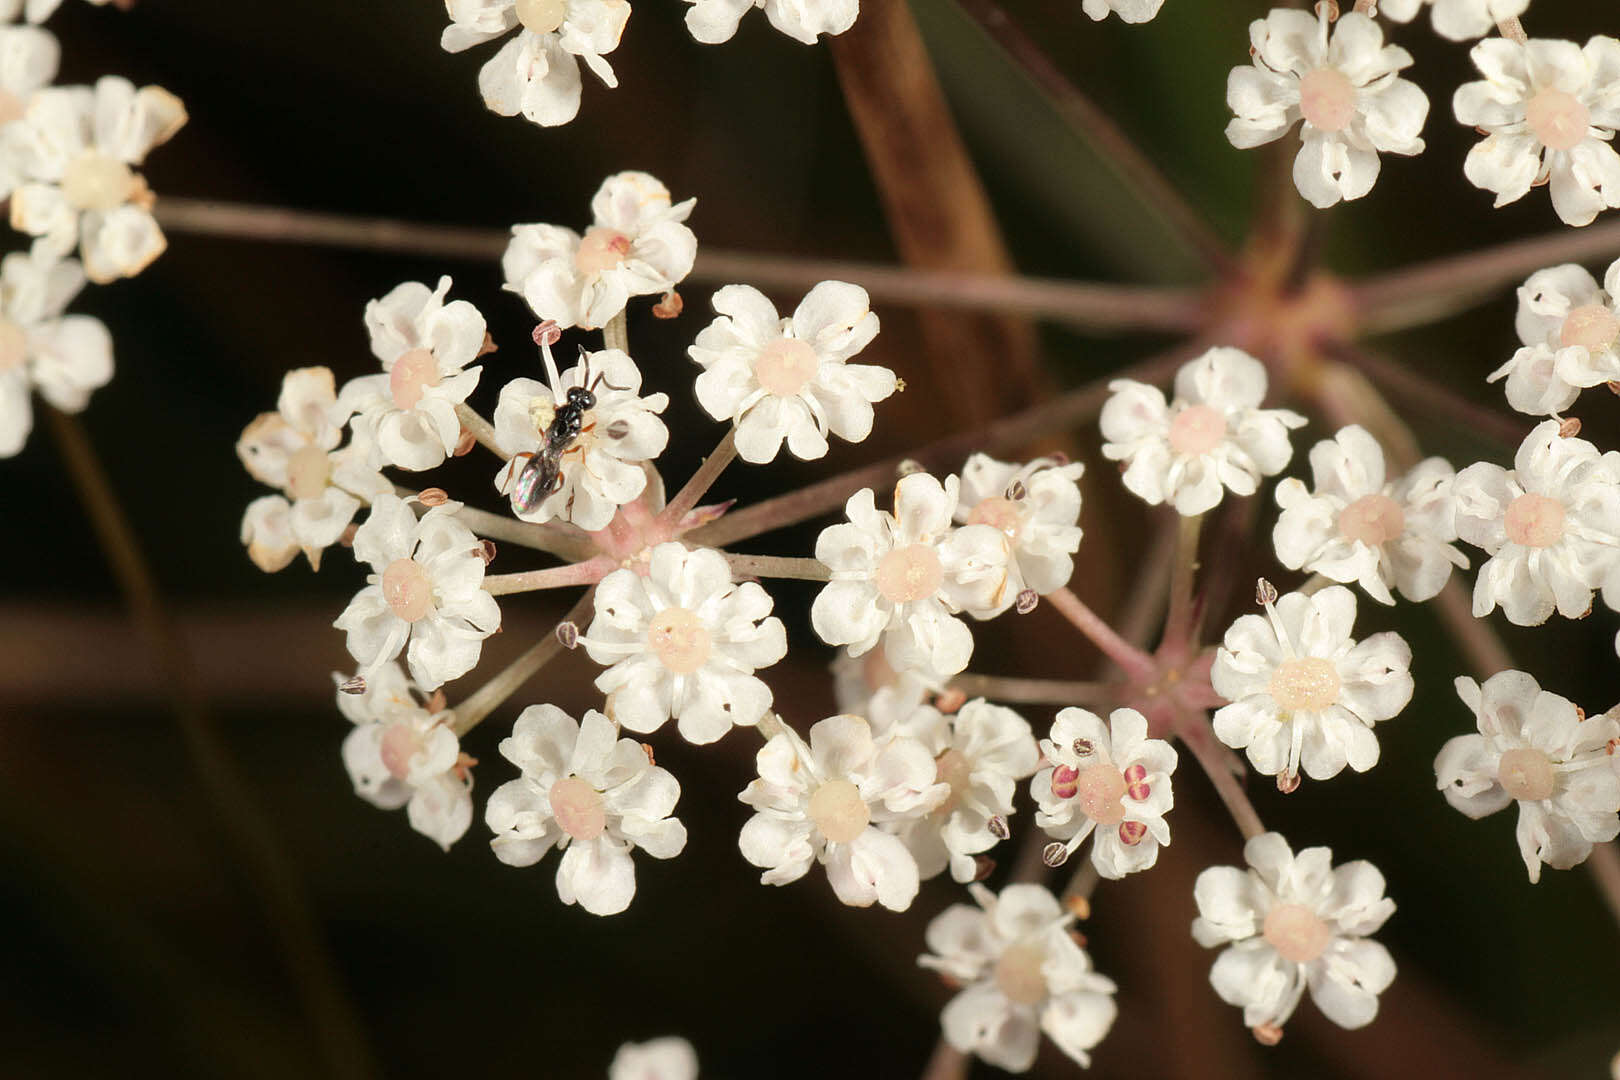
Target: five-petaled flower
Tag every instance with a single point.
(1037, 507)
(1570, 330)
(715, 21)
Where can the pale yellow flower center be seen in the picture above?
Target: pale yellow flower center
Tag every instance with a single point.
(1310, 683)
(1197, 429)
(578, 808)
(601, 249)
(1327, 99)
(412, 373)
(1296, 932)
(838, 810)
(1526, 774)
(13, 346)
(678, 639)
(542, 16)
(1018, 974)
(308, 470)
(1534, 521)
(999, 512)
(1100, 789)
(400, 743)
(909, 573)
(94, 181)
(407, 590)
(1557, 119)
(1373, 519)
(1591, 326)
(785, 366)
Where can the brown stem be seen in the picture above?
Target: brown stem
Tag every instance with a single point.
(1604, 865)
(947, 1063)
(1131, 660)
(1183, 580)
(1438, 399)
(1084, 305)
(777, 566)
(1196, 736)
(1134, 169)
(264, 862)
(702, 480)
(1038, 691)
(588, 572)
(481, 430)
(489, 697)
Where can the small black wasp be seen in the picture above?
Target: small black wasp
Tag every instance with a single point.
(541, 474)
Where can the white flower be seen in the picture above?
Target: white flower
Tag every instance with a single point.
(1357, 527)
(637, 246)
(408, 413)
(684, 642)
(714, 21)
(28, 61)
(1109, 778)
(35, 11)
(399, 754)
(590, 793)
(1345, 89)
(904, 574)
(1303, 691)
(535, 73)
(428, 588)
(1570, 328)
(825, 803)
(64, 357)
(981, 752)
(857, 680)
(1549, 109)
(602, 469)
(1458, 20)
(1535, 747)
(1213, 434)
(1131, 11)
(788, 378)
(74, 149)
(669, 1058)
(1037, 507)
(1023, 974)
(295, 449)
(1293, 922)
(1551, 526)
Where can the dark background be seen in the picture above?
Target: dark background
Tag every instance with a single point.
(137, 943)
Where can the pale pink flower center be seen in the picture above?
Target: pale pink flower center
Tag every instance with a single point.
(601, 249)
(678, 639)
(407, 590)
(1526, 774)
(953, 768)
(1197, 429)
(1591, 326)
(11, 108)
(1296, 932)
(542, 16)
(1100, 788)
(1327, 99)
(578, 808)
(1310, 683)
(1534, 521)
(909, 573)
(94, 181)
(785, 366)
(307, 472)
(838, 810)
(13, 346)
(999, 512)
(412, 373)
(1374, 520)
(400, 743)
(1557, 119)
(1018, 974)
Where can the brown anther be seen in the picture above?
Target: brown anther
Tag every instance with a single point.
(1016, 491)
(669, 307)
(983, 867)
(463, 765)
(951, 982)
(1078, 906)
(437, 703)
(568, 635)
(1027, 601)
(908, 466)
(899, 386)
(1077, 937)
(1054, 855)
(486, 551)
(1265, 592)
(347, 539)
(949, 700)
(464, 444)
(1569, 427)
(356, 685)
(1083, 748)
(1287, 782)
(432, 497)
(998, 827)
(1327, 9)
(1267, 1034)
(488, 346)
(646, 748)
(547, 333)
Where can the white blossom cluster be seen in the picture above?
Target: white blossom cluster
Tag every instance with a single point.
(68, 160)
